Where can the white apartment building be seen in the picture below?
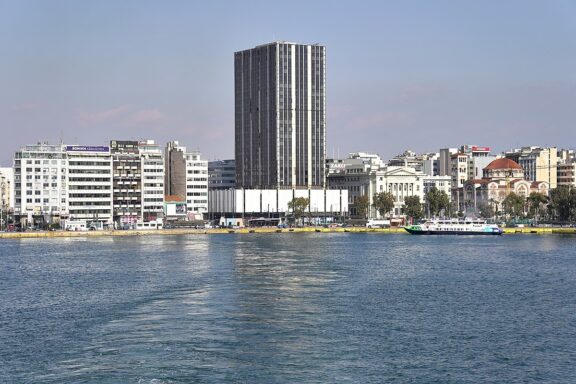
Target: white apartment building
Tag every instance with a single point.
(429, 163)
(6, 188)
(539, 164)
(40, 184)
(89, 185)
(152, 166)
(459, 169)
(441, 183)
(566, 175)
(6, 195)
(478, 159)
(196, 183)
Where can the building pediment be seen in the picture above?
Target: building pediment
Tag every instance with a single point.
(403, 171)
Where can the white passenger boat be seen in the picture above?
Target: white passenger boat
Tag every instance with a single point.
(454, 227)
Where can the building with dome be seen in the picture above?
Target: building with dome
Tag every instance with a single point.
(503, 168)
(500, 178)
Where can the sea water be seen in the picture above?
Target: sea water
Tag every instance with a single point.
(288, 308)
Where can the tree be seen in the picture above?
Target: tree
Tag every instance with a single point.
(298, 205)
(486, 210)
(536, 204)
(513, 205)
(437, 201)
(413, 207)
(563, 203)
(362, 205)
(383, 202)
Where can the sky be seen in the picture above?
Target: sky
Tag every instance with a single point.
(406, 74)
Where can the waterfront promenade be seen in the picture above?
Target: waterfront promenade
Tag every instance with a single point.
(272, 230)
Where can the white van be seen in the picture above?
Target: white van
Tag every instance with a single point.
(373, 223)
(75, 225)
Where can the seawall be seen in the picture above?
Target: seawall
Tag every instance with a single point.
(188, 231)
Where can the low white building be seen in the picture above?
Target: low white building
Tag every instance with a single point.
(274, 202)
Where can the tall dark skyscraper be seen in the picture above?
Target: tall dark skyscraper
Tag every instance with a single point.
(280, 116)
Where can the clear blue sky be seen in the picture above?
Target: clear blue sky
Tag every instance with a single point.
(400, 74)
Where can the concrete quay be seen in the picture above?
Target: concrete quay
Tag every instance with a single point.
(189, 231)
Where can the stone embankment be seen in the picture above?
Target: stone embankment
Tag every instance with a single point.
(186, 231)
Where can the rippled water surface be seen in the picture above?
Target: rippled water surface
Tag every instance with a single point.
(288, 308)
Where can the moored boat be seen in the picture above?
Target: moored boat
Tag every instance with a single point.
(454, 227)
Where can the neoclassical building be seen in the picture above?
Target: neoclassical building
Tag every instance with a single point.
(500, 178)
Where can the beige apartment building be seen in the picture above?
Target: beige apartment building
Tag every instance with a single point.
(539, 164)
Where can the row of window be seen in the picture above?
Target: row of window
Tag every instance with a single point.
(39, 201)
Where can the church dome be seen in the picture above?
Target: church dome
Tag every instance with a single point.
(503, 163)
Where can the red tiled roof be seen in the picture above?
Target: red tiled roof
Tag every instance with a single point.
(503, 163)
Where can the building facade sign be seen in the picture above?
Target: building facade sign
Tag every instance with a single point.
(84, 148)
